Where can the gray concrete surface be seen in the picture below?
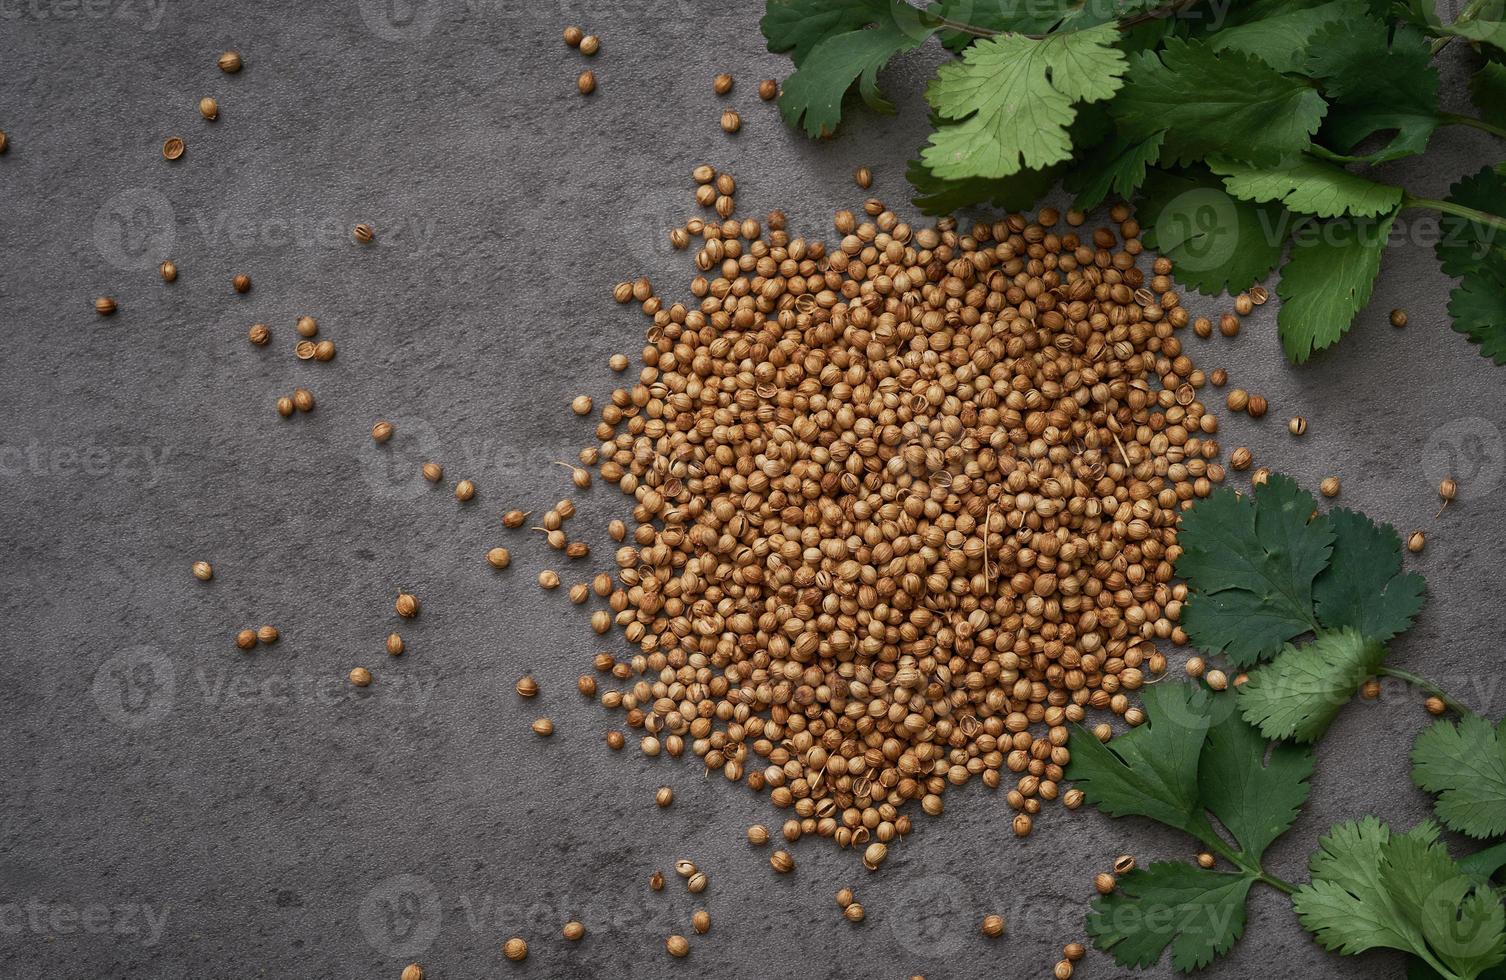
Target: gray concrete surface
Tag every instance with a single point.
(174, 808)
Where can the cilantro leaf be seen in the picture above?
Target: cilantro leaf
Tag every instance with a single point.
(1478, 306)
(1149, 771)
(1004, 16)
(1011, 100)
(1465, 764)
(1309, 186)
(1017, 192)
(813, 94)
(1198, 913)
(1377, 82)
(1280, 36)
(1120, 170)
(1216, 103)
(1373, 889)
(1327, 280)
(1363, 586)
(1466, 244)
(1250, 563)
(1255, 799)
(798, 26)
(1216, 242)
(1298, 694)
(1487, 89)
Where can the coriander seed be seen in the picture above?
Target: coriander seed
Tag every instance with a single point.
(527, 687)
(549, 579)
(285, 406)
(498, 558)
(1021, 825)
(615, 742)
(172, 148)
(303, 399)
(203, 571)
(758, 835)
(406, 605)
(1194, 667)
(1104, 883)
(305, 350)
(245, 639)
(573, 931)
(515, 949)
(413, 972)
(1203, 327)
(268, 634)
(664, 796)
(1062, 970)
(307, 326)
(618, 362)
(1228, 325)
(168, 270)
(1257, 407)
(394, 645)
(1416, 541)
(655, 880)
(105, 306)
(1244, 305)
(1216, 680)
(1435, 706)
(324, 350)
(209, 109)
(853, 913)
(360, 677)
(1398, 318)
(259, 334)
(1261, 476)
(874, 855)
(590, 44)
(4, 142)
(1240, 458)
(722, 84)
(465, 490)
(700, 920)
(1330, 486)
(863, 177)
(731, 121)
(581, 405)
(1205, 860)
(514, 519)
(586, 83)
(1297, 425)
(1258, 295)
(381, 432)
(993, 926)
(1124, 864)
(768, 89)
(230, 62)
(1448, 489)
(678, 946)
(363, 233)
(697, 882)
(241, 282)
(1218, 378)
(781, 862)
(1238, 400)
(432, 472)
(543, 727)
(574, 35)
(845, 897)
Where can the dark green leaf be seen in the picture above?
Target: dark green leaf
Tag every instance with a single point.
(1254, 798)
(1280, 34)
(813, 95)
(1119, 170)
(1377, 83)
(1488, 91)
(1327, 280)
(1216, 242)
(1465, 764)
(1467, 244)
(798, 26)
(1198, 913)
(1298, 694)
(1016, 192)
(1363, 586)
(1478, 306)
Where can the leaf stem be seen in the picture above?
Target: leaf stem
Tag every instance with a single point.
(1165, 10)
(1482, 218)
(1470, 12)
(1280, 884)
(1428, 686)
(1458, 119)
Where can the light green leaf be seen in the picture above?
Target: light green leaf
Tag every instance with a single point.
(1298, 694)
(1327, 280)
(1280, 37)
(1363, 586)
(1465, 764)
(1309, 186)
(1254, 798)
(1011, 97)
(1198, 913)
(1216, 242)
(813, 95)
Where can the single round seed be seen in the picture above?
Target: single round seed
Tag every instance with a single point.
(1257, 407)
(324, 350)
(768, 89)
(845, 897)
(230, 62)
(586, 685)
(360, 676)
(1218, 378)
(1062, 970)
(618, 362)
(173, 147)
(499, 558)
(1416, 541)
(1240, 458)
(307, 326)
(1124, 864)
(1205, 860)
(208, 108)
(514, 518)
(1370, 690)
(697, 882)
(590, 44)
(1194, 667)
(993, 926)
(549, 579)
(284, 406)
(543, 727)
(413, 972)
(700, 920)
(615, 741)
(1330, 486)
(1448, 489)
(303, 399)
(203, 571)
(1244, 305)
(1072, 799)
(1260, 476)
(381, 431)
(781, 862)
(581, 405)
(677, 945)
(268, 634)
(394, 645)
(168, 270)
(1435, 706)
(465, 490)
(684, 867)
(363, 233)
(1203, 327)
(722, 84)
(731, 121)
(259, 334)
(574, 35)
(515, 949)
(1022, 825)
(1237, 400)
(1398, 318)
(586, 83)
(1297, 425)
(245, 639)
(241, 282)
(874, 855)
(573, 931)
(1216, 680)
(105, 306)
(664, 796)
(758, 835)
(432, 472)
(406, 605)
(1228, 325)
(1104, 882)
(863, 177)
(853, 913)
(655, 880)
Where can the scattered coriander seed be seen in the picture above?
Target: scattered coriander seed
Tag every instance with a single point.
(363, 233)
(203, 571)
(542, 727)
(1435, 706)
(781, 862)
(230, 62)
(731, 121)
(615, 742)
(768, 89)
(1240, 458)
(573, 931)
(465, 490)
(1072, 799)
(394, 645)
(579, 593)
(1218, 377)
(601, 622)
(1238, 400)
(499, 558)
(549, 579)
(1124, 864)
(305, 350)
(1021, 825)
(1258, 295)
(259, 334)
(700, 920)
(655, 880)
(413, 972)
(565, 508)
(209, 109)
(432, 472)
(303, 399)
(574, 35)
(1330, 486)
(664, 796)
(381, 431)
(993, 926)
(307, 326)
(874, 855)
(581, 405)
(590, 44)
(602, 585)
(1257, 407)
(1448, 489)
(245, 639)
(515, 949)
(360, 677)
(1416, 541)
(726, 184)
(1398, 318)
(241, 283)
(1370, 690)
(105, 306)
(324, 350)
(1216, 680)
(1194, 667)
(617, 530)
(844, 897)
(863, 177)
(854, 913)
(1261, 476)
(722, 84)
(1104, 883)
(168, 270)
(172, 148)
(268, 634)
(514, 519)
(1205, 860)
(4, 142)
(406, 605)
(1228, 325)
(527, 687)
(1244, 305)
(285, 406)
(697, 882)
(1203, 327)
(678, 946)
(758, 835)
(1062, 970)
(1297, 425)
(586, 83)
(684, 867)
(618, 362)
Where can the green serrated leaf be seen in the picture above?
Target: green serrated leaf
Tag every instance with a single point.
(1478, 306)
(1465, 765)
(798, 26)
(1377, 82)
(1487, 89)
(1005, 16)
(1250, 563)
(1198, 913)
(1149, 771)
(1011, 100)
(812, 96)
(1013, 193)
(1327, 280)
(1299, 693)
(1213, 103)
(1466, 244)
(1120, 169)
(1280, 34)
(1216, 242)
(1310, 187)
(1363, 586)
(1255, 798)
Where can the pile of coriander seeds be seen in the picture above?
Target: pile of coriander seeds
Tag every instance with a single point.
(904, 508)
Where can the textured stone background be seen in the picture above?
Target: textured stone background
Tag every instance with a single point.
(271, 822)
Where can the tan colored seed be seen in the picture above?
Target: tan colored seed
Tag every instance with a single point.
(465, 490)
(700, 920)
(1257, 407)
(1435, 706)
(259, 334)
(406, 605)
(324, 350)
(105, 306)
(697, 882)
(1074, 951)
(515, 949)
(1416, 541)
(543, 727)
(573, 931)
(586, 83)
(394, 645)
(1216, 680)
(1205, 860)
(432, 472)
(499, 557)
(618, 362)
(305, 350)
(731, 121)
(514, 518)
(993, 926)
(1194, 667)
(1370, 690)
(360, 677)
(230, 62)
(303, 399)
(1330, 486)
(209, 109)
(241, 282)
(845, 897)
(1296, 425)
(307, 326)
(853, 913)
(574, 35)
(413, 972)
(863, 177)
(1258, 295)
(1398, 318)
(722, 84)
(168, 270)
(1062, 970)
(758, 835)
(590, 44)
(781, 862)
(1244, 304)
(1022, 825)
(874, 855)
(1240, 459)
(381, 431)
(363, 233)
(1238, 400)
(245, 639)
(677, 945)
(655, 880)
(1218, 378)
(549, 579)
(1124, 864)
(172, 148)
(1260, 477)
(768, 89)
(203, 571)
(1228, 325)
(1104, 882)
(527, 687)
(664, 796)
(268, 634)
(284, 406)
